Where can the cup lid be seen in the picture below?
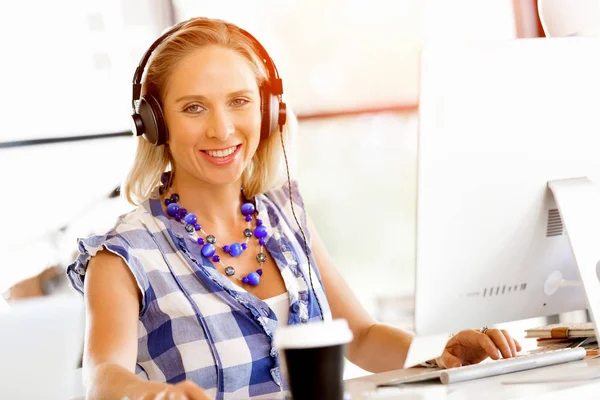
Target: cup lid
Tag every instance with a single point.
(313, 334)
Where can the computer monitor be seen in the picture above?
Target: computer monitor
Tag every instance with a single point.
(499, 121)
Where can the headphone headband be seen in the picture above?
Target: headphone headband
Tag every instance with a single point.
(148, 117)
(275, 82)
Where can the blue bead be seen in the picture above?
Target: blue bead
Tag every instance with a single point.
(247, 209)
(235, 249)
(260, 232)
(262, 242)
(259, 271)
(208, 250)
(248, 218)
(167, 201)
(190, 219)
(253, 278)
(200, 241)
(244, 246)
(216, 259)
(183, 212)
(197, 227)
(245, 280)
(259, 222)
(226, 249)
(172, 209)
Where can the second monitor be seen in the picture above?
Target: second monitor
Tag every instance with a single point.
(498, 122)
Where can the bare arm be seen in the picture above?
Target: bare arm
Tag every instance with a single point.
(113, 301)
(376, 347)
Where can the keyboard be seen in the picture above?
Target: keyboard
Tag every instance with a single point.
(495, 367)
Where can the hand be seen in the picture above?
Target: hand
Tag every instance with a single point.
(186, 390)
(472, 347)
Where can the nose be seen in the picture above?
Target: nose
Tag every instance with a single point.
(220, 125)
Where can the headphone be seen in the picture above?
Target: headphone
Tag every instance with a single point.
(148, 116)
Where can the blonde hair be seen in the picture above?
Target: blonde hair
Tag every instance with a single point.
(265, 170)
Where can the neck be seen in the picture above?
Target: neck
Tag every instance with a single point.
(217, 205)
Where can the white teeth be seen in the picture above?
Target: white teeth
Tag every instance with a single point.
(221, 153)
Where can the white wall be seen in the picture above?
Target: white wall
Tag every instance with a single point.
(68, 68)
(334, 54)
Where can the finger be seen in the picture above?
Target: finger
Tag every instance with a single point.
(500, 342)
(193, 392)
(519, 347)
(448, 360)
(486, 343)
(163, 395)
(177, 396)
(510, 341)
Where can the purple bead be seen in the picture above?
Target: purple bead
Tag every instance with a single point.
(183, 212)
(244, 246)
(235, 250)
(247, 209)
(208, 250)
(248, 218)
(259, 222)
(260, 232)
(167, 201)
(197, 227)
(172, 209)
(190, 219)
(262, 242)
(216, 259)
(259, 271)
(174, 197)
(200, 241)
(226, 249)
(245, 280)
(253, 278)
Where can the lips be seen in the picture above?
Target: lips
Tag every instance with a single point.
(222, 156)
(221, 152)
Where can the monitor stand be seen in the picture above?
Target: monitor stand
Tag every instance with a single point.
(578, 201)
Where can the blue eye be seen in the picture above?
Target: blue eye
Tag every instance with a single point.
(193, 109)
(239, 102)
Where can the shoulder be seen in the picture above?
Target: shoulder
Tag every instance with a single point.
(285, 207)
(128, 237)
(284, 195)
(125, 225)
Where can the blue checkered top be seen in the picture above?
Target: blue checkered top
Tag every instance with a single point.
(196, 324)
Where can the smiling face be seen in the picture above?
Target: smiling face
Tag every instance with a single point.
(212, 111)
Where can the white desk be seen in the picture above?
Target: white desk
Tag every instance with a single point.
(581, 373)
(499, 387)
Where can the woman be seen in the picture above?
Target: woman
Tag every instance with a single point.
(184, 294)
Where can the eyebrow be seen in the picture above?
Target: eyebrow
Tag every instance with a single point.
(201, 97)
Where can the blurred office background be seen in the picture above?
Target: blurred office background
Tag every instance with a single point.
(350, 70)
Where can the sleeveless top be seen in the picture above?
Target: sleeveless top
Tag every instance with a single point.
(194, 323)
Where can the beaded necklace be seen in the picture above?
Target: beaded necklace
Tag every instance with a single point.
(209, 242)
